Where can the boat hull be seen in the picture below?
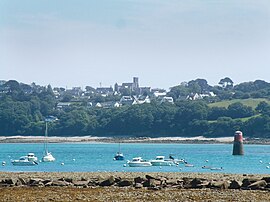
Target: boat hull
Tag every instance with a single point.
(48, 158)
(161, 163)
(141, 164)
(24, 163)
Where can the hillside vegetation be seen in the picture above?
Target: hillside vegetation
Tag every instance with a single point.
(251, 102)
(24, 108)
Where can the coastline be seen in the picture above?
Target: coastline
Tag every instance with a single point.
(93, 139)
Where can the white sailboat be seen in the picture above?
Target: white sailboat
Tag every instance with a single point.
(47, 157)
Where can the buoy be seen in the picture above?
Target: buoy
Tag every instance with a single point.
(114, 159)
(261, 161)
(180, 168)
(62, 164)
(74, 159)
(238, 148)
(267, 167)
(206, 160)
(3, 163)
(159, 167)
(125, 165)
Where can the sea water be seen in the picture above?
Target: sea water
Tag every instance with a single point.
(93, 157)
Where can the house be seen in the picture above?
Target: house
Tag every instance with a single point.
(167, 100)
(63, 105)
(142, 99)
(127, 100)
(105, 91)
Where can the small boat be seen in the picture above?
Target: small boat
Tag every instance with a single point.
(48, 157)
(189, 165)
(176, 161)
(161, 161)
(216, 168)
(119, 156)
(139, 162)
(24, 161)
(206, 167)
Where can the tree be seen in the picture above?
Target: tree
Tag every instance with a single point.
(226, 82)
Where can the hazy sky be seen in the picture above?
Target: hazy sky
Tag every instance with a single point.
(163, 42)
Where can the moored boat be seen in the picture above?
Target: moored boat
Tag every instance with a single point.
(161, 161)
(119, 156)
(139, 162)
(24, 161)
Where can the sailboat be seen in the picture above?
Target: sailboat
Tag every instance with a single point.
(119, 156)
(48, 157)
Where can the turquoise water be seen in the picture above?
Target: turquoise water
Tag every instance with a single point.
(84, 157)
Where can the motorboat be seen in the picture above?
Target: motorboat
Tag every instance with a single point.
(24, 161)
(216, 168)
(177, 161)
(161, 161)
(139, 162)
(48, 157)
(206, 167)
(189, 165)
(119, 156)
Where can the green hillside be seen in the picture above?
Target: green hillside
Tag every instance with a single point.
(252, 102)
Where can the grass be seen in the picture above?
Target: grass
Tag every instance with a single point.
(251, 102)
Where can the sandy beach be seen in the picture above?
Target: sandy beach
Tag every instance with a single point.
(174, 188)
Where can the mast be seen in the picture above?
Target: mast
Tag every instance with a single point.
(46, 136)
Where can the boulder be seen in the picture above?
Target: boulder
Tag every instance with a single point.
(248, 181)
(81, 183)
(35, 182)
(149, 177)
(235, 184)
(258, 185)
(219, 184)
(107, 182)
(150, 183)
(138, 185)
(139, 180)
(10, 181)
(22, 180)
(266, 179)
(59, 183)
(125, 183)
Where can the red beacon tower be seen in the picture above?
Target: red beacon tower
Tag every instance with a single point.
(238, 148)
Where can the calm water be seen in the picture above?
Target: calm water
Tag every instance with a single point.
(99, 157)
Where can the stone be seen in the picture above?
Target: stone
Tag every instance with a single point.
(139, 180)
(258, 185)
(235, 184)
(125, 183)
(80, 183)
(149, 177)
(219, 184)
(150, 183)
(107, 182)
(34, 181)
(248, 181)
(22, 180)
(59, 183)
(10, 181)
(138, 185)
(266, 179)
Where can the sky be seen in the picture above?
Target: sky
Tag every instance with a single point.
(69, 43)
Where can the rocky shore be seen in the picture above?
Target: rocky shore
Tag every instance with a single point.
(133, 186)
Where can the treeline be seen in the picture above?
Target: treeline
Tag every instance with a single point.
(23, 113)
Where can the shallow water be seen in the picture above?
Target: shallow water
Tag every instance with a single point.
(91, 157)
